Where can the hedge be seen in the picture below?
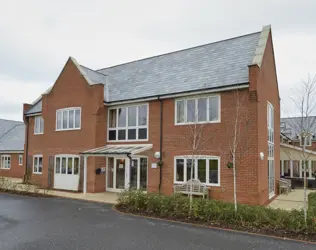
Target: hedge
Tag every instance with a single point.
(212, 212)
(312, 203)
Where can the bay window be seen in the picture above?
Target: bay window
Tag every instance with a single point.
(68, 119)
(205, 168)
(128, 123)
(197, 110)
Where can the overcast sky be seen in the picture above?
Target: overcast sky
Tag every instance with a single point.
(37, 37)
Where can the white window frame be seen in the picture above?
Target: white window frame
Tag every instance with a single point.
(38, 120)
(61, 119)
(126, 128)
(20, 160)
(67, 156)
(195, 159)
(37, 171)
(7, 159)
(196, 111)
(310, 136)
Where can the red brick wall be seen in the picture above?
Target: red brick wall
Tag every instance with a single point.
(267, 92)
(16, 170)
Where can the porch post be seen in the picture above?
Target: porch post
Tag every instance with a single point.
(85, 175)
(301, 168)
(282, 167)
(310, 168)
(291, 168)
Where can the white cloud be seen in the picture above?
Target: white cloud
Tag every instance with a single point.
(38, 36)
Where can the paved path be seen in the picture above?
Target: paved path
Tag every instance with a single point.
(57, 223)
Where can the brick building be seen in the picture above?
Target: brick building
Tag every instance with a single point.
(130, 125)
(11, 148)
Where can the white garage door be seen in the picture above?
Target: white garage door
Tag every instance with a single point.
(66, 172)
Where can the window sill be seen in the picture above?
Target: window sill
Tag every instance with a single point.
(38, 133)
(68, 129)
(37, 173)
(143, 140)
(192, 123)
(5, 168)
(208, 185)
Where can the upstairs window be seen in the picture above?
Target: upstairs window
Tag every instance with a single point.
(68, 119)
(38, 125)
(128, 123)
(307, 138)
(198, 110)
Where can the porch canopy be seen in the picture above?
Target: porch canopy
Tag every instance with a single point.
(112, 150)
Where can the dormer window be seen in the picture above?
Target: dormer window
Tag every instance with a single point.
(307, 137)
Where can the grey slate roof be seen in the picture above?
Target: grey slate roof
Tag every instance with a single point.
(212, 65)
(293, 126)
(11, 135)
(37, 108)
(208, 66)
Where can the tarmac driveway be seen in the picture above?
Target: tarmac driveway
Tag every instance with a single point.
(56, 223)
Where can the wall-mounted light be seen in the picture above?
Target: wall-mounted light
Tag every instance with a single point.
(157, 155)
(261, 156)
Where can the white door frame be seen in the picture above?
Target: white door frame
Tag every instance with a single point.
(127, 172)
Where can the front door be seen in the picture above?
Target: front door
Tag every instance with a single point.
(116, 174)
(120, 175)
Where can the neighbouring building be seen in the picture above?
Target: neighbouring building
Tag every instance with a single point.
(11, 148)
(130, 125)
(292, 141)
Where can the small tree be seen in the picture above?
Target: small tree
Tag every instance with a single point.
(197, 137)
(305, 124)
(237, 127)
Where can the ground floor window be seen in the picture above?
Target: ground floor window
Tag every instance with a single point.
(204, 168)
(67, 165)
(37, 164)
(6, 161)
(20, 160)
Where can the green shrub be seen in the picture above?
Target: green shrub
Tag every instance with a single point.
(215, 212)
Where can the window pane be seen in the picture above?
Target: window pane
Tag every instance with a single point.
(65, 119)
(76, 165)
(40, 164)
(142, 133)
(132, 116)
(58, 120)
(213, 171)
(213, 108)
(122, 117)
(143, 173)
(190, 110)
(69, 168)
(71, 118)
(202, 103)
(132, 134)
(122, 134)
(142, 115)
(179, 170)
(63, 165)
(112, 119)
(202, 170)
(112, 135)
(190, 170)
(57, 170)
(35, 164)
(77, 118)
(180, 111)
